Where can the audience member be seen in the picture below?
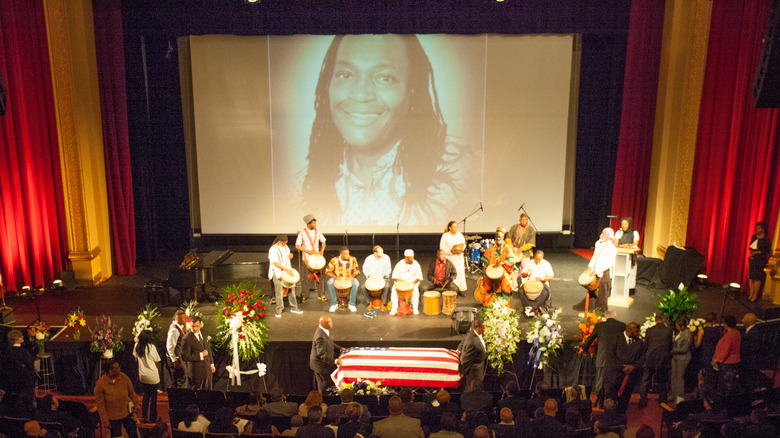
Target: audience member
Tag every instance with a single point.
(475, 399)
(21, 376)
(160, 430)
(33, 429)
(332, 420)
(193, 421)
(689, 428)
(314, 428)
(249, 410)
(114, 397)
(481, 432)
(443, 404)
(355, 425)
(340, 409)
(296, 421)
(261, 423)
(47, 411)
(398, 425)
(749, 353)
(448, 427)
(726, 358)
(412, 408)
(573, 420)
(523, 427)
(706, 340)
(575, 400)
(224, 422)
(658, 339)
(279, 404)
(602, 431)
(645, 431)
(506, 426)
(313, 399)
(537, 399)
(511, 398)
(548, 425)
(609, 416)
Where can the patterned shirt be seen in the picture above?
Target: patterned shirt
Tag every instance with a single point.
(341, 269)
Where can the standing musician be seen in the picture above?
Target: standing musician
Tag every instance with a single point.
(453, 243)
(522, 236)
(601, 264)
(502, 254)
(407, 269)
(342, 267)
(311, 242)
(536, 269)
(279, 256)
(377, 265)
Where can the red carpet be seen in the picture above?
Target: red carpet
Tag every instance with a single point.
(584, 253)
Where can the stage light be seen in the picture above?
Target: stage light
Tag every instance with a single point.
(57, 288)
(735, 286)
(701, 282)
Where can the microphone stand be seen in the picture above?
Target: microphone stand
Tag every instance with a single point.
(469, 215)
(522, 208)
(397, 241)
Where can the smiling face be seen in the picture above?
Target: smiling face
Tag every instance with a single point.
(368, 89)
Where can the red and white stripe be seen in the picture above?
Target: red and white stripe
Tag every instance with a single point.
(427, 367)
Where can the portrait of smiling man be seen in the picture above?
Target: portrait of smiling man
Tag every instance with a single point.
(379, 151)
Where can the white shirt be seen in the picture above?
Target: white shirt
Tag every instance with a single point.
(147, 366)
(536, 271)
(327, 332)
(173, 339)
(408, 272)
(603, 257)
(481, 340)
(278, 254)
(377, 267)
(306, 237)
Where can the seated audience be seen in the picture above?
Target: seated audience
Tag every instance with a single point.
(548, 425)
(448, 427)
(602, 430)
(645, 431)
(537, 398)
(251, 409)
(443, 404)
(314, 428)
(296, 421)
(481, 432)
(575, 400)
(313, 399)
(412, 408)
(511, 398)
(398, 425)
(224, 422)
(475, 399)
(346, 398)
(160, 430)
(332, 421)
(610, 416)
(355, 425)
(523, 425)
(573, 420)
(193, 421)
(506, 427)
(32, 429)
(261, 423)
(47, 411)
(279, 404)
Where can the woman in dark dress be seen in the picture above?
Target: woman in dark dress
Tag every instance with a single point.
(760, 248)
(706, 340)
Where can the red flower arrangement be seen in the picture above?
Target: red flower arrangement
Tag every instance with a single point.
(588, 321)
(243, 301)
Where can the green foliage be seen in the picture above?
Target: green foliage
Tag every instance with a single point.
(677, 304)
(246, 299)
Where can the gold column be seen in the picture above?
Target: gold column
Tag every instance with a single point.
(71, 39)
(683, 56)
(772, 284)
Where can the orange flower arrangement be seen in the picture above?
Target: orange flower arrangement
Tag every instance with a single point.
(588, 321)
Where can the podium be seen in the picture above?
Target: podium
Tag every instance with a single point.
(623, 278)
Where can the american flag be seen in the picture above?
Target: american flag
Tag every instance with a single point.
(431, 367)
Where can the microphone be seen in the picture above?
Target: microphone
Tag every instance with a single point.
(480, 206)
(521, 207)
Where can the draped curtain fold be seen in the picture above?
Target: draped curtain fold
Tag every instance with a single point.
(33, 232)
(736, 175)
(635, 144)
(109, 50)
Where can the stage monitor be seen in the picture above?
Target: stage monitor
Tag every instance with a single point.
(373, 133)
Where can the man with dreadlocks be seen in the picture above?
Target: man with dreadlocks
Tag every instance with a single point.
(377, 116)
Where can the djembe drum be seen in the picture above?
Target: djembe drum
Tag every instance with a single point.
(404, 290)
(431, 302)
(343, 287)
(448, 301)
(289, 280)
(375, 286)
(532, 289)
(589, 280)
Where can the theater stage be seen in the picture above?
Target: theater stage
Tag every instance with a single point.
(290, 336)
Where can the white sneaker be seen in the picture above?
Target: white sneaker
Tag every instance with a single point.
(415, 312)
(352, 309)
(278, 315)
(298, 311)
(529, 312)
(393, 312)
(333, 308)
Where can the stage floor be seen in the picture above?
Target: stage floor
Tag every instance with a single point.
(123, 297)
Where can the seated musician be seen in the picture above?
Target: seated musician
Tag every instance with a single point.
(441, 274)
(377, 265)
(409, 270)
(535, 269)
(502, 254)
(342, 267)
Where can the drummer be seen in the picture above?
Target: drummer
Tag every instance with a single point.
(407, 269)
(311, 242)
(342, 267)
(536, 269)
(377, 265)
(499, 253)
(279, 256)
(441, 274)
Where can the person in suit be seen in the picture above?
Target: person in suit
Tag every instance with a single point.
(196, 353)
(658, 339)
(412, 408)
(473, 354)
(548, 424)
(605, 333)
(398, 425)
(314, 427)
(681, 357)
(279, 404)
(624, 363)
(749, 351)
(475, 399)
(322, 359)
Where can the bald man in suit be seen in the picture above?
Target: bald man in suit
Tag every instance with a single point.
(322, 359)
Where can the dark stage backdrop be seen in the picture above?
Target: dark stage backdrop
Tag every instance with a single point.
(736, 175)
(154, 100)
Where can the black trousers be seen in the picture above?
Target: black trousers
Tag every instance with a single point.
(115, 426)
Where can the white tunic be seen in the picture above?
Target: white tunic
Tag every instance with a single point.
(449, 240)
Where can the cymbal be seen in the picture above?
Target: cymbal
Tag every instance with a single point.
(476, 237)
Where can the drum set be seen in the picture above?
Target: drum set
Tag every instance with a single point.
(476, 248)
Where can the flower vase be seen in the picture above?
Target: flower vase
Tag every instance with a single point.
(108, 354)
(77, 335)
(41, 350)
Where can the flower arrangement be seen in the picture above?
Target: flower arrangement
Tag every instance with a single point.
(546, 338)
(361, 387)
(148, 319)
(240, 309)
(106, 337)
(676, 304)
(697, 324)
(586, 325)
(40, 332)
(191, 309)
(75, 321)
(648, 322)
(502, 333)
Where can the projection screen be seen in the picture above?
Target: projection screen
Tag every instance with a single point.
(371, 133)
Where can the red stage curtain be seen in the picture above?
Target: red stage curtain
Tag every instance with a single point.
(109, 48)
(640, 86)
(33, 233)
(736, 175)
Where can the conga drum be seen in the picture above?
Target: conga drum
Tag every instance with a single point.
(431, 302)
(375, 286)
(404, 290)
(589, 280)
(457, 248)
(316, 262)
(289, 280)
(343, 287)
(532, 289)
(448, 301)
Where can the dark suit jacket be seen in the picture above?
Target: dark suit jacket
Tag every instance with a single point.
(606, 332)
(191, 348)
(624, 353)
(416, 409)
(282, 408)
(477, 401)
(472, 356)
(398, 426)
(314, 431)
(548, 426)
(322, 353)
(449, 271)
(658, 339)
(750, 349)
